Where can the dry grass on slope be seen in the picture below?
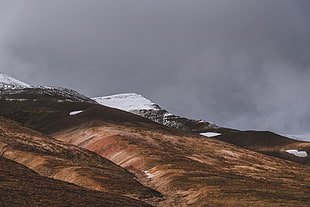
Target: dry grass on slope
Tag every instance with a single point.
(189, 170)
(54, 159)
(196, 171)
(22, 187)
(269, 143)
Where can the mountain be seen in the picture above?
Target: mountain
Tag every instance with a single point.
(7, 82)
(139, 105)
(264, 142)
(131, 160)
(12, 89)
(57, 94)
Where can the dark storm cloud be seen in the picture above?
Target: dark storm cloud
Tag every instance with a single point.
(239, 63)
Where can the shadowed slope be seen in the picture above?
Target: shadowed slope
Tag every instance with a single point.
(21, 187)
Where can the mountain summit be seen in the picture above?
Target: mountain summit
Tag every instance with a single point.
(139, 105)
(12, 89)
(7, 82)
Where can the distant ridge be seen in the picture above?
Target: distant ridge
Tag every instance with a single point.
(12, 89)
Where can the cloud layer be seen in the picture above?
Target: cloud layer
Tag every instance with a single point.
(239, 63)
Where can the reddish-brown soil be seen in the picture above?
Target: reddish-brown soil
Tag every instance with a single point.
(194, 170)
(22, 187)
(52, 158)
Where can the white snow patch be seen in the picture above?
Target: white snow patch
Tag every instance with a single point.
(210, 134)
(297, 153)
(7, 82)
(15, 99)
(127, 102)
(72, 113)
(149, 175)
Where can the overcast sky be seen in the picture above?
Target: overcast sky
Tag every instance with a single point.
(239, 63)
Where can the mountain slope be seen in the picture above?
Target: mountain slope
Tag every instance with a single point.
(21, 187)
(195, 171)
(12, 89)
(127, 102)
(271, 144)
(52, 158)
(7, 82)
(139, 105)
(55, 94)
(300, 137)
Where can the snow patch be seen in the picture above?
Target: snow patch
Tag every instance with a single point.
(72, 113)
(15, 99)
(297, 153)
(149, 175)
(7, 82)
(127, 102)
(210, 134)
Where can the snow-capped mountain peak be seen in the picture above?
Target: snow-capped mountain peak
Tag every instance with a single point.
(10, 88)
(7, 82)
(139, 105)
(127, 102)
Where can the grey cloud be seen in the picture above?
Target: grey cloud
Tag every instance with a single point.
(239, 63)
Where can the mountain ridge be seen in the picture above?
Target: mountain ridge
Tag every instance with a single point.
(139, 105)
(8, 82)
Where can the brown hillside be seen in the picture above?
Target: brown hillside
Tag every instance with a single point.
(48, 114)
(53, 158)
(269, 143)
(22, 187)
(195, 171)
